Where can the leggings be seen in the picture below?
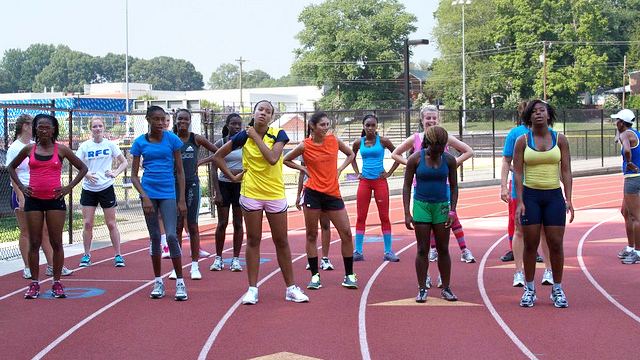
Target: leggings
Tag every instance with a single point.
(169, 210)
(363, 199)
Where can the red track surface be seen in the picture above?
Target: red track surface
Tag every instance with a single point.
(380, 320)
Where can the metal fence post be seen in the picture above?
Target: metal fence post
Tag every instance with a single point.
(461, 139)
(6, 129)
(70, 225)
(602, 137)
(493, 140)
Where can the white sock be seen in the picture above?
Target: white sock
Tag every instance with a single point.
(194, 265)
(291, 287)
(163, 239)
(629, 248)
(179, 281)
(254, 288)
(158, 279)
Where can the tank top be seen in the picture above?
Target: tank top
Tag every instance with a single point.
(189, 154)
(233, 160)
(45, 174)
(635, 156)
(372, 159)
(542, 168)
(322, 163)
(431, 183)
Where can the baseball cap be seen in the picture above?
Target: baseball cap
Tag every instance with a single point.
(625, 115)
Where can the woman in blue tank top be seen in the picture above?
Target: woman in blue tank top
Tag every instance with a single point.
(373, 179)
(432, 167)
(630, 141)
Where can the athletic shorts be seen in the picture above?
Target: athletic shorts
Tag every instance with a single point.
(632, 185)
(106, 198)
(511, 225)
(269, 206)
(546, 207)
(430, 213)
(316, 200)
(230, 192)
(35, 204)
(14, 200)
(192, 189)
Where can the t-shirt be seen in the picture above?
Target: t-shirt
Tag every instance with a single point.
(23, 169)
(509, 145)
(158, 180)
(322, 163)
(99, 158)
(261, 180)
(233, 160)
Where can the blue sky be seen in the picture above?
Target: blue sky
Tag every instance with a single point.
(207, 33)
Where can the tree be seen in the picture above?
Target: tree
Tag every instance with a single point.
(224, 77)
(504, 41)
(18, 68)
(354, 48)
(68, 71)
(166, 73)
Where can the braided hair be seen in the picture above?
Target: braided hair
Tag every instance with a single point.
(54, 123)
(22, 119)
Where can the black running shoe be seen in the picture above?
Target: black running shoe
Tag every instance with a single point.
(448, 295)
(539, 258)
(508, 256)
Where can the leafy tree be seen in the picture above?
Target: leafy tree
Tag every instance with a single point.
(68, 71)
(611, 102)
(224, 77)
(166, 73)
(355, 48)
(18, 68)
(111, 67)
(256, 78)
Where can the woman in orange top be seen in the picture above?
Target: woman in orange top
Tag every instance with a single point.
(322, 193)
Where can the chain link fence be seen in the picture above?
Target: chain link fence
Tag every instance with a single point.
(590, 133)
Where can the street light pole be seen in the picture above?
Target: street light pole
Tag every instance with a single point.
(407, 96)
(464, 70)
(126, 64)
(240, 61)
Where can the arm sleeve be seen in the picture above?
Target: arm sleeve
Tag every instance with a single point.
(239, 139)
(136, 150)
(282, 136)
(115, 150)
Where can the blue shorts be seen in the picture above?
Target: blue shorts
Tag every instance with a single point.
(546, 207)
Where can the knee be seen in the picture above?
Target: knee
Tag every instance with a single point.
(282, 243)
(237, 223)
(111, 225)
(325, 224)
(88, 224)
(312, 236)
(423, 251)
(253, 241)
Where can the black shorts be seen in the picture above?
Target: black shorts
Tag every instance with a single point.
(546, 207)
(35, 204)
(316, 200)
(106, 198)
(230, 192)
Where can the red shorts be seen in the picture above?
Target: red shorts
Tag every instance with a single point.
(512, 216)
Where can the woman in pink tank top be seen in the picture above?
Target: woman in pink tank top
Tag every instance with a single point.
(44, 195)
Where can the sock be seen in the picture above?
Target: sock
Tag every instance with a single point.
(359, 242)
(163, 240)
(255, 288)
(179, 281)
(530, 285)
(158, 279)
(348, 265)
(313, 265)
(387, 242)
(432, 241)
(557, 286)
(459, 233)
(629, 248)
(194, 265)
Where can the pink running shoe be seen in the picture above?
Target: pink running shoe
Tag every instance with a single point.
(57, 290)
(165, 252)
(33, 292)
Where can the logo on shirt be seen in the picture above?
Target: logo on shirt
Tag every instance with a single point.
(92, 154)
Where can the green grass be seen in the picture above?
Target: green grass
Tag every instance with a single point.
(10, 231)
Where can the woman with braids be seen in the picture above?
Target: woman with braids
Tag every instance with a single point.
(227, 196)
(432, 168)
(44, 196)
(98, 154)
(429, 116)
(373, 178)
(541, 158)
(160, 150)
(262, 190)
(189, 153)
(322, 193)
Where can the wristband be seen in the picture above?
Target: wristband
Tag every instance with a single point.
(452, 213)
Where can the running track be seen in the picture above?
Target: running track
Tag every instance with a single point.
(380, 320)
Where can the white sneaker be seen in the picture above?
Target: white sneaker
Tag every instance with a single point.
(217, 264)
(467, 257)
(165, 252)
(296, 295)
(325, 264)
(65, 271)
(547, 277)
(26, 273)
(439, 281)
(203, 254)
(181, 293)
(518, 279)
(158, 290)
(173, 275)
(251, 297)
(235, 264)
(433, 254)
(195, 274)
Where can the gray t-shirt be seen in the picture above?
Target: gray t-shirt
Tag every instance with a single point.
(233, 160)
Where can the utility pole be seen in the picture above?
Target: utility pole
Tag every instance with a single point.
(544, 69)
(240, 61)
(624, 79)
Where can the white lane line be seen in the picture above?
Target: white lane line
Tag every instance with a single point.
(104, 280)
(362, 321)
(592, 280)
(492, 310)
(74, 270)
